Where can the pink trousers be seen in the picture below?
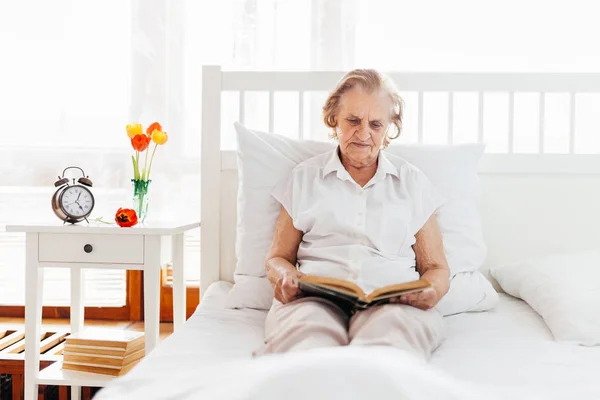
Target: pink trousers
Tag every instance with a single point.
(313, 322)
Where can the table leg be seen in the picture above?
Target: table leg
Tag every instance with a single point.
(152, 291)
(77, 313)
(34, 282)
(179, 290)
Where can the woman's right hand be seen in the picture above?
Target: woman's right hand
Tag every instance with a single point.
(280, 263)
(286, 286)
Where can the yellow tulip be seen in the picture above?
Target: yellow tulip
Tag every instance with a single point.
(159, 137)
(133, 129)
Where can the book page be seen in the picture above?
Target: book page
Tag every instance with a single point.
(334, 283)
(398, 289)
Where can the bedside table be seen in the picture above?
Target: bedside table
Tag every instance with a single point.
(99, 246)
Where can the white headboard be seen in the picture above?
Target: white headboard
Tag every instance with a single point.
(529, 204)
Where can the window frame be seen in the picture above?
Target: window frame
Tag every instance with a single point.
(131, 311)
(192, 298)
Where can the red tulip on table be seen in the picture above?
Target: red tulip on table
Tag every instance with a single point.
(126, 217)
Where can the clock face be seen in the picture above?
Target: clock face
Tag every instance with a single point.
(77, 201)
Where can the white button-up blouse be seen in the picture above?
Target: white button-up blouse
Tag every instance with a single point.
(363, 234)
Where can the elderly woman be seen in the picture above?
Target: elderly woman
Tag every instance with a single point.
(357, 214)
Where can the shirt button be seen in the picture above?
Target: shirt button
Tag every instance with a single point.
(360, 193)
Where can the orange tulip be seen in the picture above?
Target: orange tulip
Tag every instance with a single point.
(159, 137)
(140, 142)
(152, 127)
(126, 217)
(134, 129)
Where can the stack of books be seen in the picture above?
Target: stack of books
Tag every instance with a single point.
(103, 351)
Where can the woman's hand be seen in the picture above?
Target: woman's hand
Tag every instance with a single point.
(286, 287)
(424, 300)
(431, 265)
(281, 259)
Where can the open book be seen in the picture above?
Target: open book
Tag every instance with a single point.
(350, 297)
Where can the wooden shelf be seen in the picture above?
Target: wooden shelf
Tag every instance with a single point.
(55, 375)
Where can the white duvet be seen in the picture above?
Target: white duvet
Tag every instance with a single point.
(331, 373)
(505, 353)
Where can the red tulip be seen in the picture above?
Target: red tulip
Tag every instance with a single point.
(140, 142)
(126, 217)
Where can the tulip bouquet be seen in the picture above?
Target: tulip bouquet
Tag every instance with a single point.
(141, 142)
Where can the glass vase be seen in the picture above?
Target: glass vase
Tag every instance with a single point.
(141, 199)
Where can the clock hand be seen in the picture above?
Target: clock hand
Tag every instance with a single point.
(78, 198)
(70, 204)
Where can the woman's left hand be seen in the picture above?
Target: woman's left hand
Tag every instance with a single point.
(432, 266)
(424, 300)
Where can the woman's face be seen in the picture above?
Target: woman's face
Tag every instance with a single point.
(362, 123)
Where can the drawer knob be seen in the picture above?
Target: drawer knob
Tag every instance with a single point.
(88, 248)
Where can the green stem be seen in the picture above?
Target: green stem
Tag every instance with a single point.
(133, 162)
(151, 159)
(145, 164)
(136, 171)
(100, 220)
(141, 203)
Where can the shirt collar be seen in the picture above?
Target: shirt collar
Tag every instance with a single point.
(385, 166)
(334, 164)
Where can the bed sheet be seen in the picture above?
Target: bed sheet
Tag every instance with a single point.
(509, 347)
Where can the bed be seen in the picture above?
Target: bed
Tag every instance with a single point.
(509, 349)
(507, 352)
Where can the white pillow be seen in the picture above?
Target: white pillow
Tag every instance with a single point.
(264, 159)
(470, 291)
(563, 288)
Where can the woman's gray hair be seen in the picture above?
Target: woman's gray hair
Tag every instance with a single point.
(370, 80)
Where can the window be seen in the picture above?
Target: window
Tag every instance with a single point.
(64, 100)
(81, 72)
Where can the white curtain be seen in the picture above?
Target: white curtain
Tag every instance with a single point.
(75, 72)
(79, 71)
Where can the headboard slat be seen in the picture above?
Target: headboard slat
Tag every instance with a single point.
(210, 174)
(426, 82)
(420, 117)
(271, 111)
(451, 117)
(541, 121)
(300, 114)
(572, 106)
(242, 107)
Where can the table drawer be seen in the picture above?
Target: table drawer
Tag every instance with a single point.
(102, 249)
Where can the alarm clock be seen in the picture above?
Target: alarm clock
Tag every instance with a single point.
(73, 202)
